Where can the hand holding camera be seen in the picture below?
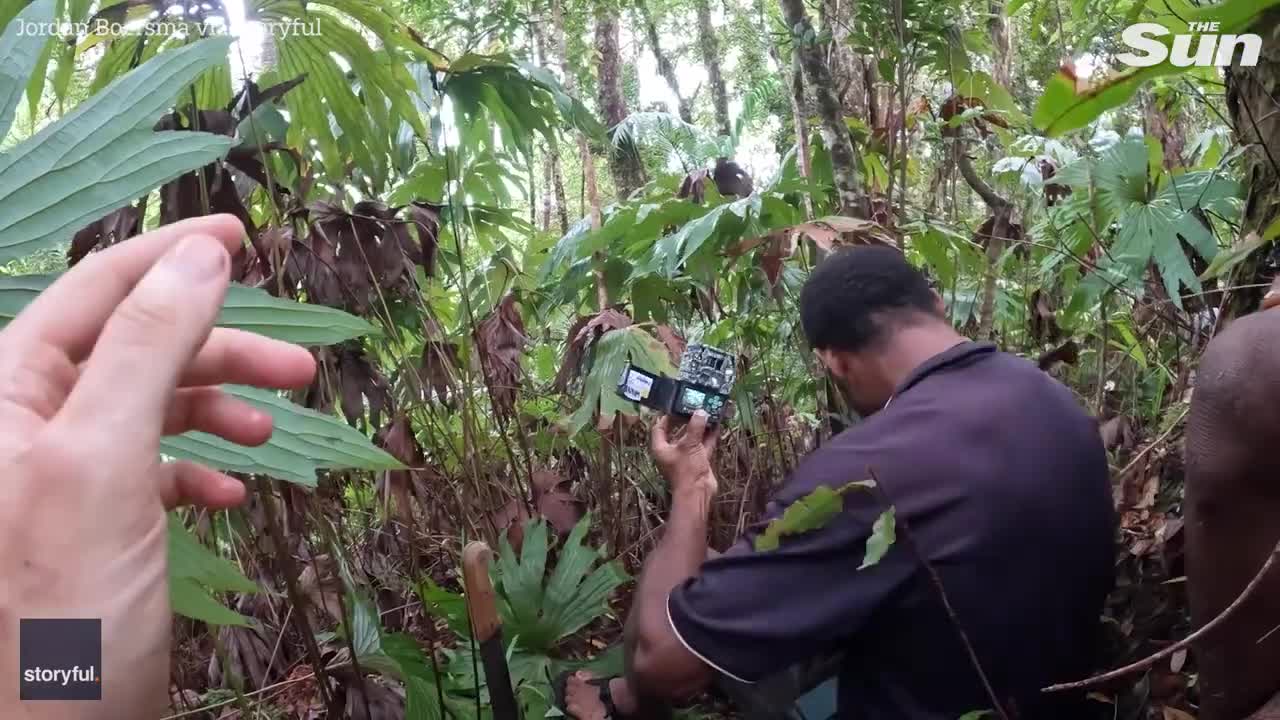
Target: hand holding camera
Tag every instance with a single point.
(699, 395)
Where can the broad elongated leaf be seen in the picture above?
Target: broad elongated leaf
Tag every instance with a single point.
(521, 582)
(20, 52)
(245, 308)
(190, 560)
(540, 615)
(193, 571)
(611, 354)
(1225, 261)
(188, 599)
(883, 535)
(1070, 104)
(101, 155)
(809, 513)
(302, 323)
(303, 441)
(574, 598)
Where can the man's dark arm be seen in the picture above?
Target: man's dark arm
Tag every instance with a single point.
(658, 664)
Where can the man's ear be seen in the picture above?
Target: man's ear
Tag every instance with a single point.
(837, 363)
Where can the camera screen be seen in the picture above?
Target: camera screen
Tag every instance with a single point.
(693, 399)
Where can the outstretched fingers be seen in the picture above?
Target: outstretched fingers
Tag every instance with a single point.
(185, 483)
(152, 336)
(237, 357)
(71, 313)
(209, 410)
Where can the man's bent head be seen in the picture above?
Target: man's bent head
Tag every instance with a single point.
(872, 318)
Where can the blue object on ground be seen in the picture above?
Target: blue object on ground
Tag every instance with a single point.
(819, 703)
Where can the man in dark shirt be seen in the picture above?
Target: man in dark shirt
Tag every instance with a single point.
(994, 467)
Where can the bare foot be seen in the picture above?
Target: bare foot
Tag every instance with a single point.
(584, 702)
(582, 698)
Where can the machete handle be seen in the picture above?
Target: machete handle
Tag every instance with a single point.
(481, 600)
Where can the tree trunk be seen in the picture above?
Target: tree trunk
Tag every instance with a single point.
(801, 126)
(584, 151)
(557, 183)
(552, 178)
(624, 161)
(710, 46)
(835, 134)
(1251, 100)
(1170, 128)
(1001, 214)
(848, 80)
(998, 26)
(666, 68)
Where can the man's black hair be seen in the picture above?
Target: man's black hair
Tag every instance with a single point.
(855, 295)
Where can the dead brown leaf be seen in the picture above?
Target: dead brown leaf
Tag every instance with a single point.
(670, 338)
(836, 231)
(360, 382)
(581, 334)
(554, 501)
(426, 219)
(500, 339)
(398, 440)
(1068, 352)
(693, 187)
(112, 228)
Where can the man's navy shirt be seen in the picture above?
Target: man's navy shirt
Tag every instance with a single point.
(1003, 481)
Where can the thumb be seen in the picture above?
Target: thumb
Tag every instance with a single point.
(696, 429)
(160, 326)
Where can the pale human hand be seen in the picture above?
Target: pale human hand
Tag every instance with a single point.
(117, 353)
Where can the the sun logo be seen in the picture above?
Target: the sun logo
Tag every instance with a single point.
(1211, 49)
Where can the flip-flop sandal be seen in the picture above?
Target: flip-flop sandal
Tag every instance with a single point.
(560, 687)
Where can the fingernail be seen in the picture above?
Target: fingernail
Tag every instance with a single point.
(198, 258)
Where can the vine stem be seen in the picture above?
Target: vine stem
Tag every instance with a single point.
(1200, 634)
(909, 540)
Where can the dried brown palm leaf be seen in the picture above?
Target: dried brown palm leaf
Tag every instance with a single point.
(115, 227)
(501, 339)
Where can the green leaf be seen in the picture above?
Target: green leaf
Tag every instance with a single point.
(1016, 5)
(449, 606)
(811, 512)
(188, 599)
(193, 571)
(522, 583)
(1224, 262)
(256, 311)
(882, 538)
(19, 55)
(245, 308)
(610, 355)
(996, 97)
(190, 560)
(573, 597)
(539, 615)
(103, 154)
(303, 441)
(1065, 107)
